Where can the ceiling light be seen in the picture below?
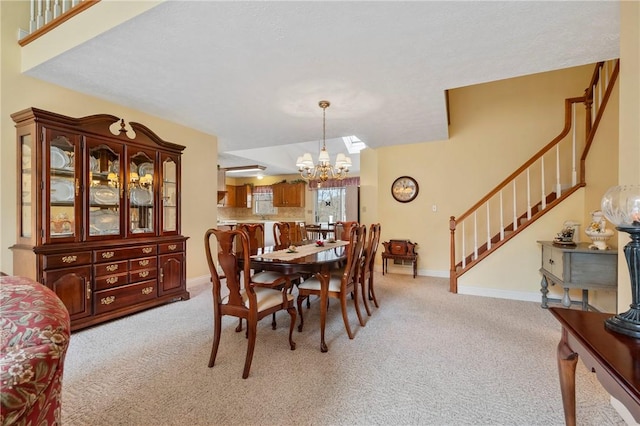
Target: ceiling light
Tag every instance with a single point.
(239, 169)
(323, 170)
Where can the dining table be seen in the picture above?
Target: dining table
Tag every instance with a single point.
(306, 258)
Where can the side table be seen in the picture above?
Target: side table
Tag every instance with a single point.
(399, 250)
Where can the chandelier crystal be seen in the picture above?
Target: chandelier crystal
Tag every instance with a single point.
(323, 170)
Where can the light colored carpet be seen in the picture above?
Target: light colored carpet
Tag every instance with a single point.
(425, 357)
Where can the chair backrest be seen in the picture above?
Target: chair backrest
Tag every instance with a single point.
(282, 234)
(357, 236)
(227, 259)
(255, 234)
(372, 247)
(342, 229)
(302, 228)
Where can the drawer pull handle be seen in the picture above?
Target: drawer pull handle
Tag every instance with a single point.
(112, 268)
(173, 247)
(88, 290)
(143, 262)
(108, 300)
(147, 250)
(551, 261)
(107, 254)
(77, 187)
(69, 259)
(147, 290)
(112, 280)
(144, 274)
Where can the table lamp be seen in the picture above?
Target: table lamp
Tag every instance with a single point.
(621, 206)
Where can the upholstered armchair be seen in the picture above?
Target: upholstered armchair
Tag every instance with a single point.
(34, 336)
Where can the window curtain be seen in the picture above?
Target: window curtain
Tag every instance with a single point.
(335, 183)
(262, 189)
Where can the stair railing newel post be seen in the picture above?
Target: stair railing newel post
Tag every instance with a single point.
(453, 278)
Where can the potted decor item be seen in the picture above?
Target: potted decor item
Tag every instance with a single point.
(598, 231)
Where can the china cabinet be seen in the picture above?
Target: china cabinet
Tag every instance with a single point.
(99, 214)
(288, 194)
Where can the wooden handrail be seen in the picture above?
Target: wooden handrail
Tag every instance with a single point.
(565, 131)
(591, 126)
(79, 8)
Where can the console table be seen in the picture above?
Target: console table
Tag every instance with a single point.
(577, 266)
(612, 356)
(399, 250)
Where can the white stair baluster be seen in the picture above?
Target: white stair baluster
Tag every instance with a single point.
(501, 218)
(515, 207)
(574, 172)
(488, 228)
(39, 16)
(558, 186)
(544, 194)
(528, 196)
(475, 236)
(32, 16)
(464, 250)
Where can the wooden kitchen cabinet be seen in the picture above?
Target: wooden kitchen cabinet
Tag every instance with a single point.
(96, 213)
(230, 198)
(288, 194)
(238, 196)
(577, 266)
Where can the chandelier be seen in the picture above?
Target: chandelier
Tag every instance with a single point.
(323, 170)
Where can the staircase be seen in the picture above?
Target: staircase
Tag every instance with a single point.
(545, 180)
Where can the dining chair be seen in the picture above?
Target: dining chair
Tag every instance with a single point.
(282, 234)
(340, 287)
(341, 229)
(302, 229)
(246, 299)
(366, 273)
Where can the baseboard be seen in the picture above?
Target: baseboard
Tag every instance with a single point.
(203, 279)
(407, 270)
(501, 294)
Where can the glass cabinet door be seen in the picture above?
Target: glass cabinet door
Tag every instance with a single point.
(26, 200)
(141, 184)
(169, 195)
(62, 194)
(105, 188)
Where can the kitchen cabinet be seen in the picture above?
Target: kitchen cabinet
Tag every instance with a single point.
(288, 194)
(238, 196)
(95, 212)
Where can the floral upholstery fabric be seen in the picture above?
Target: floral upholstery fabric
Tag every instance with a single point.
(34, 336)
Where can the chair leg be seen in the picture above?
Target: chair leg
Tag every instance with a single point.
(299, 301)
(363, 284)
(357, 305)
(372, 294)
(273, 321)
(251, 344)
(345, 317)
(292, 313)
(217, 327)
(239, 327)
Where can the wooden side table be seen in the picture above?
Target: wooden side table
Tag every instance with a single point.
(399, 250)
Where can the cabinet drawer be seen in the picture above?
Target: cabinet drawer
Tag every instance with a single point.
(124, 253)
(142, 274)
(144, 263)
(171, 247)
(113, 280)
(122, 297)
(110, 268)
(66, 259)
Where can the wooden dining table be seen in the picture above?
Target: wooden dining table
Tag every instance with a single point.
(320, 262)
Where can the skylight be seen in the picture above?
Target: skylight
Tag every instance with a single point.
(353, 144)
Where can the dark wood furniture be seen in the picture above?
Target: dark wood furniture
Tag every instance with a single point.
(340, 287)
(282, 234)
(400, 250)
(249, 297)
(577, 266)
(316, 232)
(613, 357)
(319, 264)
(98, 214)
(343, 229)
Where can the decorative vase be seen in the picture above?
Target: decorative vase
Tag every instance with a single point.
(598, 231)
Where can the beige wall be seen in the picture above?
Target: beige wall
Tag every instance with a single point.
(629, 151)
(19, 92)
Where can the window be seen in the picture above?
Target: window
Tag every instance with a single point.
(263, 201)
(330, 205)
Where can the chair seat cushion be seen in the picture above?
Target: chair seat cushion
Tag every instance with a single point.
(266, 298)
(267, 277)
(313, 284)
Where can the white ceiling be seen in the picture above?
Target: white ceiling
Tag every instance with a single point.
(252, 73)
